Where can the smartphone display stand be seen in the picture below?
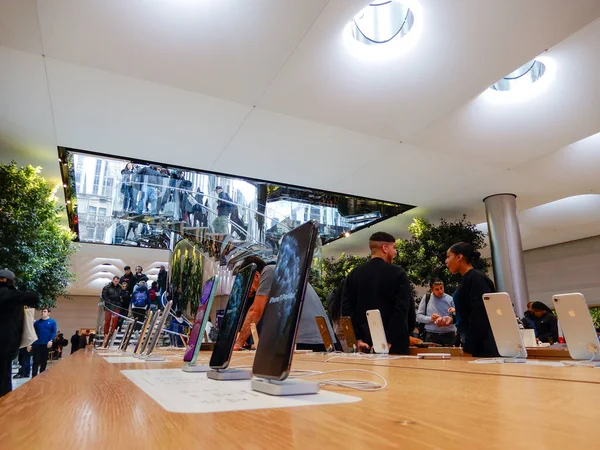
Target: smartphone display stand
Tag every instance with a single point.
(196, 368)
(229, 374)
(286, 387)
(151, 337)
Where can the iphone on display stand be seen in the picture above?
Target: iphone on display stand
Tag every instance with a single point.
(230, 325)
(149, 331)
(282, 315)
(195, 341)
(380, 344)
(503, 322)
(158, 333)
(138, 346)
(324, 332)
(349, 336)
(577, 326)
(129, 327)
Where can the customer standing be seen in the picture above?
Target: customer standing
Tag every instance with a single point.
(546, 323)
(436, 313)
(224, 209)
(127, 188)
(379, 284)
(129, 278)
(162, 281)
(139, 275)
(111, 295)
(474, 325)
(45, 328)
(75, 341)
(12, 304)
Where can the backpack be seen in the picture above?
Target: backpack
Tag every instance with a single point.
(140, 299)
(422, 325)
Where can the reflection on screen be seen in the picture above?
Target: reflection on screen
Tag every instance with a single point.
(200, 313)
(285, 303)
(232, 316)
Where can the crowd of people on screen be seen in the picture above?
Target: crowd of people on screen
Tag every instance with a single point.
(154, 190)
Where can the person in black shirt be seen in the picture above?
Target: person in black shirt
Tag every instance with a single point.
(12, 312)
(162, 280)
(75, 342)
(473, 323)
(129, 278)
(379, 284)
(139, 275)
(546, 324)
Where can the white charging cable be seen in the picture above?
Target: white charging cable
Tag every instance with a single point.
(370, 357)
(584, 363)
(359, 385)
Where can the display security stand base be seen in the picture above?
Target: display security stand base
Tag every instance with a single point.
(153, 358)
(229, 374)
(195, 368)
(285, 387)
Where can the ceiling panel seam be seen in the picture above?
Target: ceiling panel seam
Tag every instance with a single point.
(46, 74)
(278, 72)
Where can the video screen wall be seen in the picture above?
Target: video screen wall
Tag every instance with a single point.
(118, 201)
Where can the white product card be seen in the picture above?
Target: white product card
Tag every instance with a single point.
(181, 392)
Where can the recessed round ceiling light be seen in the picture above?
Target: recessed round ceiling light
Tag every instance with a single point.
(524, 76)
(381, 22)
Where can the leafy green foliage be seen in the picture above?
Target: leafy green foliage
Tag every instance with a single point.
(33, 242)
(196, 281)
(423, 255)
(333, 271)
(595, 312)
(187, 284)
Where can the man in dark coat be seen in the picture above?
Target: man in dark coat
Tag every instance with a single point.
(12, 304)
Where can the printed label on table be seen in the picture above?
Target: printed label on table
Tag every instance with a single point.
(182, 392)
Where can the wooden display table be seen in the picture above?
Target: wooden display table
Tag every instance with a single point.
(85, 402)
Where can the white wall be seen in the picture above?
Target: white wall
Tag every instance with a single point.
(563, 268)
(96, 264)
(74, 313)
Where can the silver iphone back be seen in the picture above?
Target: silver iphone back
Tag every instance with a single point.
(504, 325)
(380, 344)
(577, 326)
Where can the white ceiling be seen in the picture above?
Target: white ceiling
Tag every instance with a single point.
(273, 89)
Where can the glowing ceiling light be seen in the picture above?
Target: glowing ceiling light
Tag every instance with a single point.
(521, 78)
(523, 88)
(384, 29)
(380, 22)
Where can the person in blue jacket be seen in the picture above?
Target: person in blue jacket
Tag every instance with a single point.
(45, 328)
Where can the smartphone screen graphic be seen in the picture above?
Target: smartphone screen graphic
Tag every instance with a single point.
(230, 323)
(193, 347)
(282, 314)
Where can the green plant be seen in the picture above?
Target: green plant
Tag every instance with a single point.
(33, 242)
(333, 271)
(176, 271)
(423, 255)
(187, 284)
(595, 313)
(196, 281)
